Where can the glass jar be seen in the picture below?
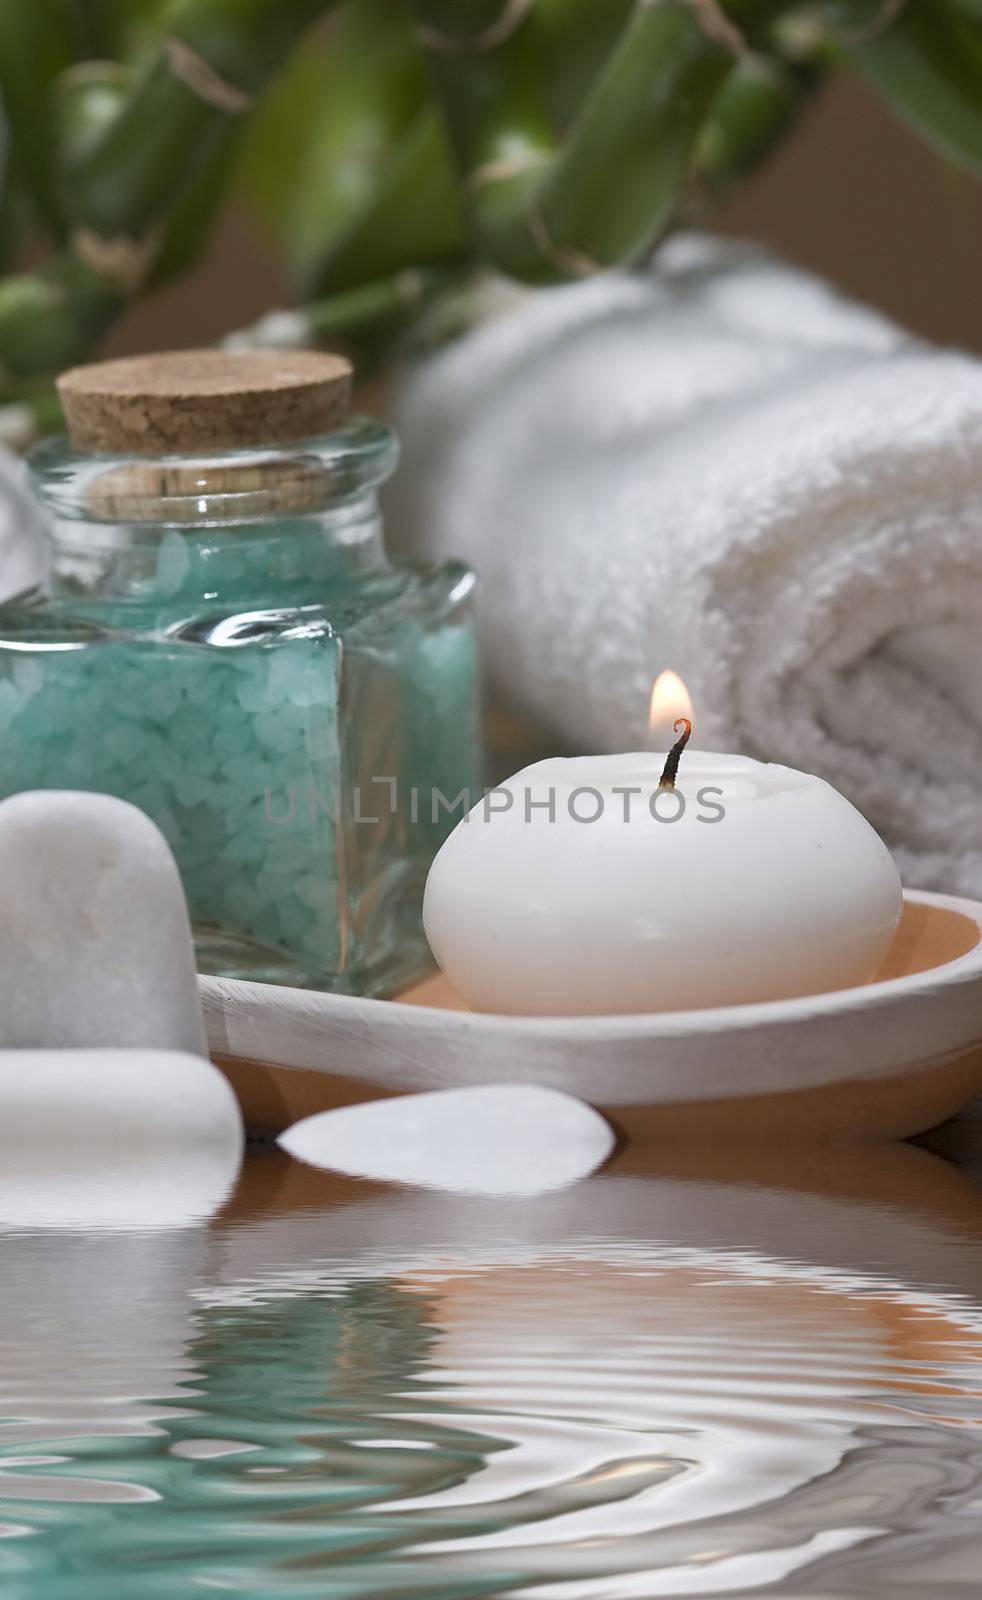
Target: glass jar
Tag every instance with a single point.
(223, 641)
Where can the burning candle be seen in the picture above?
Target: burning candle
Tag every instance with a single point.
(670, 700)
(633, 883)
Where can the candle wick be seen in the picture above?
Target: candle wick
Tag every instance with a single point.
(670, 773)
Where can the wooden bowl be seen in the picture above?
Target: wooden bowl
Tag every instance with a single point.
(884, 1060)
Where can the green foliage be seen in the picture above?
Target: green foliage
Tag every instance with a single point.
(317, 148)
(928, 66)
(36, 44)
(577, 38)
(757, 105)
(394, 148)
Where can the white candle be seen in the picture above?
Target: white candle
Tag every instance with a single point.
(582, 887)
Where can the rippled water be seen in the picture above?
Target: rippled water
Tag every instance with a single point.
(682, 1377)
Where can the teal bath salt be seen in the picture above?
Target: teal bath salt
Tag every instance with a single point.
(223, 642)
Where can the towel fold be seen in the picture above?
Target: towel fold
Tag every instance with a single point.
(721, 467)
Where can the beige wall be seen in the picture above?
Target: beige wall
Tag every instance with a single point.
(852, 195)
(857, 197)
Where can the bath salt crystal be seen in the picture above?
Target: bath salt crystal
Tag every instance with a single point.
(160, 700)
(311, 893)
(149, 797)
(246, 848)
(76, 768)
(280, 676)
(173, 563)
(190, 790)
(232, 738)
(28, 675)
(274, 730)
(10, 704)
(251, 694)
(308, 689)
(127, 742)
(58, 712)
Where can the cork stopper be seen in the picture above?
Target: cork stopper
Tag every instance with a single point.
(184, 402)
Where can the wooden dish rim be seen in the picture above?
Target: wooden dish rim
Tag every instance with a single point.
(965, 967)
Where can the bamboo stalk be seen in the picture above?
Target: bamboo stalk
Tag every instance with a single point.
(328, 133)
(577, 38)
(367, 310)
(214, 61)
(640, 123)
(414, 217)
(545, 211)
(49, 318)
(545, 215)
(87, 97)
(197, 211)
(18, 219)
(759, 103)
(35, 45)
(488, 67)
(121, 30)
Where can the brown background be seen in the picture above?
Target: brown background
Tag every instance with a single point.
(852, 195)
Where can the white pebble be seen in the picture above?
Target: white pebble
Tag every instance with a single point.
(500, 1139)
(95, 943)
(114, 1138)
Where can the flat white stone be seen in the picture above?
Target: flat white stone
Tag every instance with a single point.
(95, 942)
(505, 1138)
(114, 1138)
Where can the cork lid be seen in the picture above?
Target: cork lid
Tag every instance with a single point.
(187, 401)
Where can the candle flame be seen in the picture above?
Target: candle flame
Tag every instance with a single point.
(670, 700)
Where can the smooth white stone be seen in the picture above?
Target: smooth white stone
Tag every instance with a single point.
(114, 1138)
(95, 942)
(501, 1139)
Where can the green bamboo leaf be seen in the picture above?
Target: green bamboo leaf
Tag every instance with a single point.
(18, 222)
(577, 37)
(49, 318)
(491, 84)
(621, 173)
(196, 215)
(83, 102)
(215, 58)
(36, 44)
(414, 217)
(758, 104)
(927, 65)
(314, 155)
(121, 30)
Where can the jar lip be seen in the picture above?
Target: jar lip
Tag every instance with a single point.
(303, 476)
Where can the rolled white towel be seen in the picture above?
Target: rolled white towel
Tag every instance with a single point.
(723, 468)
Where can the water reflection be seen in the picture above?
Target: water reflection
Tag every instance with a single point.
(692, 1374)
